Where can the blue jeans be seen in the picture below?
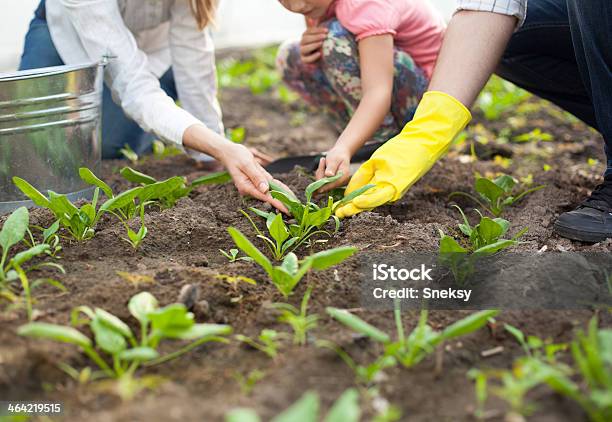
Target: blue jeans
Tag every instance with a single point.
(117, 128)
(563, 53)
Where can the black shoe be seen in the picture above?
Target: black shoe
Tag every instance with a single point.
(591, 221)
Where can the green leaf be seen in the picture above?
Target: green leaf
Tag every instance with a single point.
(358, 192)
(295, 206)
(142, 304)
(139, 354)
(357, 324)
(278, 229)
(134, 176)
(468, 325)
(248, 248)
(121, 200)
(198, 331)
(305, 409)
(488, 190)
(242, 415)
(283, 280)
(278, 188)
(53, 229)
(315, 186)
(91, 179)
(113, 322)
(160, 190)
(14, 228)
(505, 225)
(505, 182)
(60, 205)
(262, 214)
(31, 192)
(171, 321)
(346, 408)
(212, 179)
(495, 247)
(107, 338)
(24, 256)
(325, 259)
(290, 263)
(318, 218)
(450, 245)
(59, 333)
(489, 231)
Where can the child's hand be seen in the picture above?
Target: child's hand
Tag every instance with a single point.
(337, 159)
(312, 41)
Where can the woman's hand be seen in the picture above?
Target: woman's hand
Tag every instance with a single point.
(249, 177)
(337, 159)
(312, 41)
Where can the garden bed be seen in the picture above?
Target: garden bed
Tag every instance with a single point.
(183, 248)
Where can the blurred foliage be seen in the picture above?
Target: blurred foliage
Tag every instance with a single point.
(498, 97)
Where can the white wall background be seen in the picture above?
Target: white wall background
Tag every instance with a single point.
(240, 23)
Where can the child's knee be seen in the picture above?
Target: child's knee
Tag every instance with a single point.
(288, 57)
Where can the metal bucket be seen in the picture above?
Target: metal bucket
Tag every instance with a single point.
(50, 126)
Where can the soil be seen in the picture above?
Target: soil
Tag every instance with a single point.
(183, 248)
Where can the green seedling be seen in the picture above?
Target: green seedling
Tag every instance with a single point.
(232, 255)
(236, 135)
(166, 193)
(257, 73)
(129, 154)
(406, 350)
(306, 409)
(136, 238)
(247, 382)
(287, 275)
(298, 319)
(267, 342)
(126, 352)
(14, 268)
(79, 222)
(161, 150)
(49, 236)
(588, 381)
(484, 239)
(310, 217)
(500, 96)
(498, 194)
(535, 135)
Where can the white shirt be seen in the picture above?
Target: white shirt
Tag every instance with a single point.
(516, 8)
(145, 37)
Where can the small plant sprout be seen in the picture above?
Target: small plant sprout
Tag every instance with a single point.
(247, 382)
(166, 193)
(135, 238)
(310, 218)
(535, 135)
(129, 154)
(13, 268)
(233, 282)
(161, 150)
(79, 222)
(406, 350)
(587, 381)
(49, 236)
(268, 342)
(306, 409)
(237, 135)
(287, 275)
(298, 319)
(484, 239)
(232, 255)
(113, 337)
(497, 194)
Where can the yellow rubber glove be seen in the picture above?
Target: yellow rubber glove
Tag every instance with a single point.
(403, 160)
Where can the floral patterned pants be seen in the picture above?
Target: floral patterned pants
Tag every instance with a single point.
(333, 84)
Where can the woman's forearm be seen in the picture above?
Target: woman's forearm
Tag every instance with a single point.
(473, 45)
(202, 139)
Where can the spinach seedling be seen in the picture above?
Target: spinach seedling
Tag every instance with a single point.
(298, 319)
(287, 275)
(232, 255)
(13, 268)
(588, 381)
(167, 193)
(498, 193)
(247, 382)
(407, 350)
(484, 239)
(115, 338)
(267, 342)
(50, 237)
(306, 409)
(310, 218)
(79, 222)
